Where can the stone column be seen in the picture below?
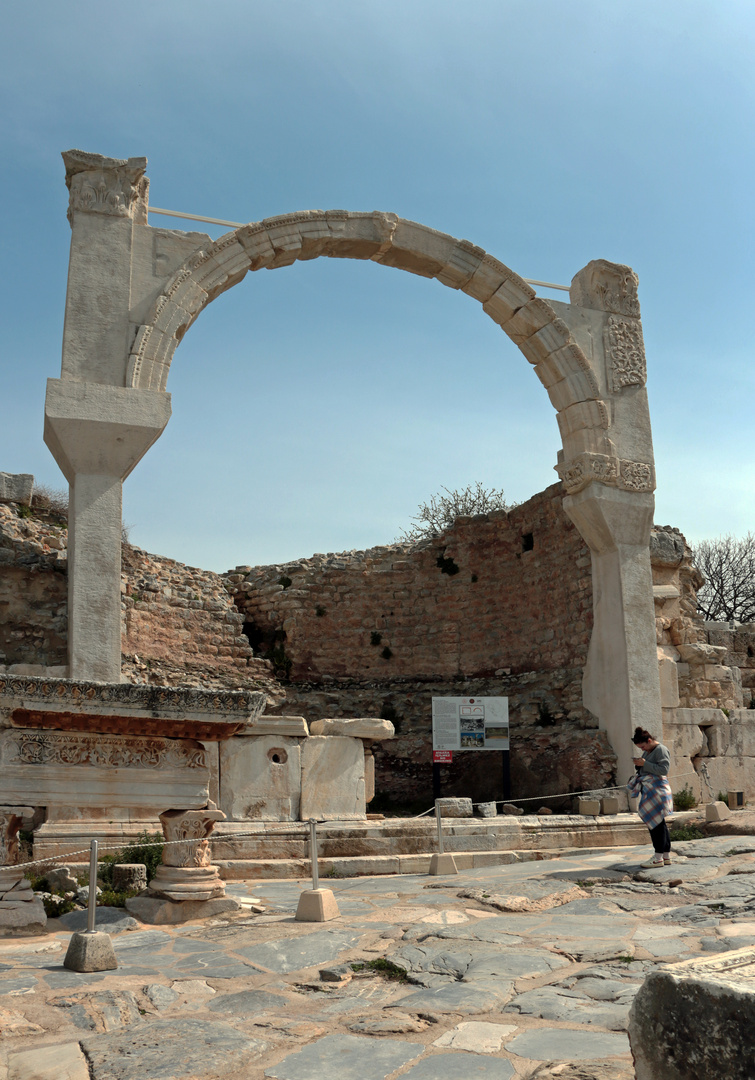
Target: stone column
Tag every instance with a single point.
(621, 684)
(185, 872)
(96, 428)
(97, 434)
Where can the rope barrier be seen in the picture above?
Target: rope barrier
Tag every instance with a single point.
(300, 830)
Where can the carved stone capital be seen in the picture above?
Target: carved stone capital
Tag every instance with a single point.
(604, 469)
(625, 353)
(186, 873)
(186, 832)
(606, 286)
(10, 823)
(103, 185)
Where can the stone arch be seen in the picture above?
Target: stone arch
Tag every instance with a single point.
(528, 320)
(128, 306)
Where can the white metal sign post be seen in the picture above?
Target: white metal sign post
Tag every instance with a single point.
(470, 723)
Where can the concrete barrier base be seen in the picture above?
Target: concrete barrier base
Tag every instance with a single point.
(90, 952)
(443, 864)
(317, 905)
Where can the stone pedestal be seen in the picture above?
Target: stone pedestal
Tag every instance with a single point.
(21, 912)
(186, 873)
(90, 952)
(317, 905)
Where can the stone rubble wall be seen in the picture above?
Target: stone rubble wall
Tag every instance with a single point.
(495, 594)
(179, 624)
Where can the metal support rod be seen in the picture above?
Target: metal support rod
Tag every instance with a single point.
(92, 887)
(440, 828)
(313, 853)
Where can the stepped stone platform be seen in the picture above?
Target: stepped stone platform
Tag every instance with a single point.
(244, 850)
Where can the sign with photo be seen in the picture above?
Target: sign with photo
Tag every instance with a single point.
(469, 723)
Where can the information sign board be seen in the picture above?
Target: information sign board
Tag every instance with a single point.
(470, 723)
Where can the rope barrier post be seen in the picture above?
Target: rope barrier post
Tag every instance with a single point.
(440, 863)
(316, 904)
(92, 906)
(313, 853)
(91, 950)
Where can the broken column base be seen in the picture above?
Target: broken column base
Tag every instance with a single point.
(442, 864)
(317, 905)
(90, 952)
(160, 912)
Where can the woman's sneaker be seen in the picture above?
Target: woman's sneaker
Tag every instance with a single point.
(667, 860)
(653, 863)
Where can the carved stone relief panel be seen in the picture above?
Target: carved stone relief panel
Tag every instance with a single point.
(625, 353)
(606, 286)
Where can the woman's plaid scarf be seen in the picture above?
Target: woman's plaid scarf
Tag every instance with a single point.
(656, 800)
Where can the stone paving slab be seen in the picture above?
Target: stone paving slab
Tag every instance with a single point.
(238, 996)
(171, 1050)
(347, 1057)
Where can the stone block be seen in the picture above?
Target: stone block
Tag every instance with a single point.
(730, 773)
(90, 952)
(129, 876)
(736, 800)
(317, 905)
(16, 487)
(443, 864)
(588, 807)
(696, 1019)
(294, 726)
(609, 804)
(157, 912)
(669, 683)
(457, 808)
(61, 878)
(332, 778)
(59, 1062)
(21, 919)
(360, 728)
(260, 777)
(487, 809)
(716, 811)
(369, 777)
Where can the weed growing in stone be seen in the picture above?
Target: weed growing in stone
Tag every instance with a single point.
(686, 832)
(381, 966)
(684, 799)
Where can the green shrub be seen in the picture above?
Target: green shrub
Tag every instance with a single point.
(684, 799)
(55, 904)
(147, 848)
(115, 897)
(381, 966)
(686, 832)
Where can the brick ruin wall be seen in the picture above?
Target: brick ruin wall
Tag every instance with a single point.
(500, 604)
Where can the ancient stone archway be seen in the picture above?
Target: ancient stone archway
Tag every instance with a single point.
(134, 291)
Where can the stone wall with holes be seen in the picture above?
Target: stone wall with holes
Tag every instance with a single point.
(496, 594)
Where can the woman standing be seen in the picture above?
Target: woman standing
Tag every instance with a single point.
(656, 802)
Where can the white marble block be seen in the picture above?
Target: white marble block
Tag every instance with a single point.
(332, 778)
(260, 778)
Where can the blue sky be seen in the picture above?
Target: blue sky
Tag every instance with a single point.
(315, 406)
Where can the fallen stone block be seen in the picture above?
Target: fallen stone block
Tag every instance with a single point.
(157, 912)
(16, 487)
(487, 809)
(588, 807)
(696, 1019)
(129, 876)
(609, 804)
(455, 807)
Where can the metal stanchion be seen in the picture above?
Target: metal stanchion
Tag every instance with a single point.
(91, 950)
(92, 906)
(441, 863)
(313, 853)
(316, 904)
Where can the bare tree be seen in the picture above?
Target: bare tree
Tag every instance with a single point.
(728, 566)
(437, 515)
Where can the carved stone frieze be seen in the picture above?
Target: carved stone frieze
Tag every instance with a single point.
(604, 469)
(625, 353)
(58, 748)
(101, 185)
(606, 286)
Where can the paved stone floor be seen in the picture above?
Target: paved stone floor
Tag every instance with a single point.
(510, 971)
